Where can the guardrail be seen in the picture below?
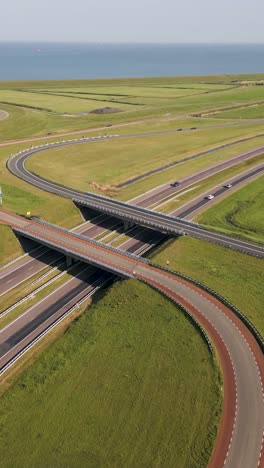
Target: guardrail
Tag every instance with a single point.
(53, 325)
(88, 239)
(79, 256)
(132, 218)
(237, 312)
(259, 338)
(195, 230)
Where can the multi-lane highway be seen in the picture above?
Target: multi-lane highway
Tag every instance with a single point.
(201, 202)
(134, 213)
(239, 441)
(28, 266)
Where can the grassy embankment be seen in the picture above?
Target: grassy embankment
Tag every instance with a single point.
(124, 324)
(255, 111)
(109, 163)
(139, 355)
(29, 286)
(242, 213)
(21, 197)
(236, 276)
(130, 384)
(39, 108)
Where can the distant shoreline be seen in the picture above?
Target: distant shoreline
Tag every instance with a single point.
(56, 60)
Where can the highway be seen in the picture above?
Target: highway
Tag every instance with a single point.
(167, 224)
(239, 443)
(134, 213)
(128, 124)
(28, 266)
(200, 203)
(42, 315)
(233, 358)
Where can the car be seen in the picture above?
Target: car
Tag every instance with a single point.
(175, 184)
(193, 128)
(228, 186)
(209, 197)
(179, 129)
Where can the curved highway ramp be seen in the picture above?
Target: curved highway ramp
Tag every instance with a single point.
(240, 438)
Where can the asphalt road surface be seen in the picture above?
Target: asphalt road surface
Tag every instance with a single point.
(196, 205)
(239, 442)
(28, 266)
(239, 445)
(128, 212)
(129, 124)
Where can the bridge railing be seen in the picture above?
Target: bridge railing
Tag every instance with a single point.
(218, 296)
(74, 254)
(136, 219)
(257, 335)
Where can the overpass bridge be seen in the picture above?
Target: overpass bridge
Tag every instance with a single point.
(239, 440)
(73, 246)
(174, 226)
(134, 214)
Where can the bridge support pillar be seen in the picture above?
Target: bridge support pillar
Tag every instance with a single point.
(69, 261)
(128, 225)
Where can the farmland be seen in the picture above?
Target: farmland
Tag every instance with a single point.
(128, 380)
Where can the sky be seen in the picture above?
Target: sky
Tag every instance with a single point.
(177, 21)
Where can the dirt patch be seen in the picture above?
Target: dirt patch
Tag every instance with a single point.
(104, 188)
(100, 111)
(105, 110)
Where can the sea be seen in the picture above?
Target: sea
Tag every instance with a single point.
(44, 61)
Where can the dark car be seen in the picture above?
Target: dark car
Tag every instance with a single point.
(193, 128)
(175, 184)
(179, 129)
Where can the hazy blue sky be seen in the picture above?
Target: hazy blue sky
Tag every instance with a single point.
(133, 20)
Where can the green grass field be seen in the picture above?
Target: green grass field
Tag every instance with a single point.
(20, 197)
(130, 384)
(253, 112)
(113, 162)
(242, 213)
(236, 276)
(38, 108)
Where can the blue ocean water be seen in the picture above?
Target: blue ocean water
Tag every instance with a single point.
(33, 61)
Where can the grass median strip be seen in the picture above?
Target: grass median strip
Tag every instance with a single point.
(242, 213)
(35, 297)
(207, 184)
(109, 163)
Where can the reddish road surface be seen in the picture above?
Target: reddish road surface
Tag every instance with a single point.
(239, 443)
